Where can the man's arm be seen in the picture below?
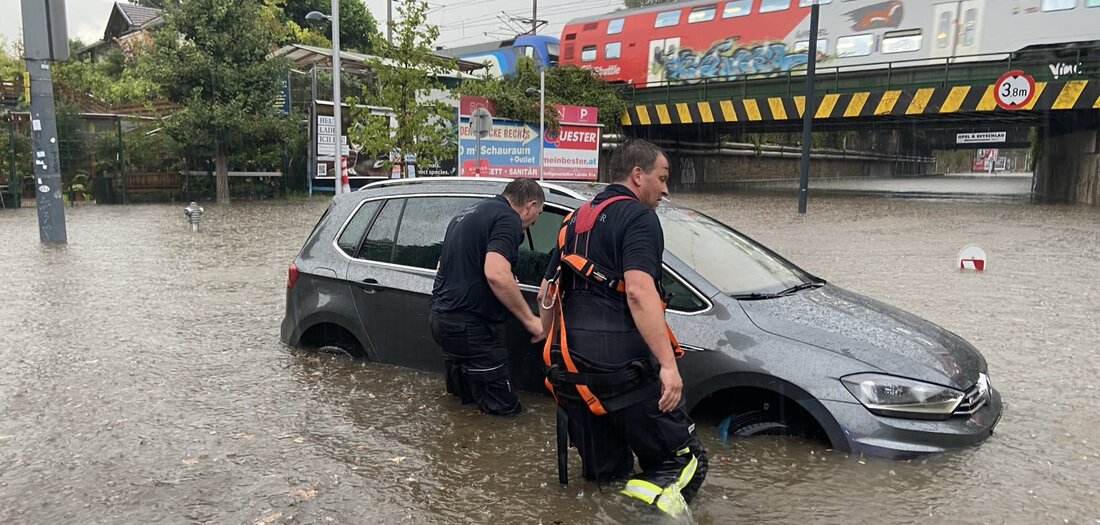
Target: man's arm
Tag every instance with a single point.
(649, 316)
(498, 272)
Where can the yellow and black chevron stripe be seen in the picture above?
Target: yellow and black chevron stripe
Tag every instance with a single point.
(1075, 94)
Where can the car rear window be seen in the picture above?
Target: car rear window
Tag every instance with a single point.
(380, 239)
(352, 236)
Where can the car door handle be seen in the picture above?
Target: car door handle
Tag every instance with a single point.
(369, 285)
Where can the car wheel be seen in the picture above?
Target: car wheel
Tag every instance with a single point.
(751, 424)
(337, 349)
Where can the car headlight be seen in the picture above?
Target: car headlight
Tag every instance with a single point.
(901, 397)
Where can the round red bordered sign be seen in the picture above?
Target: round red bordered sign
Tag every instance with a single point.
(1014, 90)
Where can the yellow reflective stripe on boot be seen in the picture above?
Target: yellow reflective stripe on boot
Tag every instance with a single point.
(688, 472)
(641, 489)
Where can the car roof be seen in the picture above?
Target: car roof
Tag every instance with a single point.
(579, 190)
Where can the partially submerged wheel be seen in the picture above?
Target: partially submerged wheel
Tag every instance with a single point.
(337, 350)
(752, 424)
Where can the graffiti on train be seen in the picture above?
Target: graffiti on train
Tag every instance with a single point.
(726, 60)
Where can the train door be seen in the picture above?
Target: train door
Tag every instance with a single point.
(944, 29)
(662, 58)
(971, 13)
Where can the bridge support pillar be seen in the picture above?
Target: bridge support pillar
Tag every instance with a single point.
(1067, 158)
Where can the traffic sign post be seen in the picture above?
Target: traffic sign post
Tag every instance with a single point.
(1014, 90)
(481, 124)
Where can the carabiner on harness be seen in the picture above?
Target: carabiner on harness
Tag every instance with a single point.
(551, 293)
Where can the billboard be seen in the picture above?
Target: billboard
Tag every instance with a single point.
(512, 149)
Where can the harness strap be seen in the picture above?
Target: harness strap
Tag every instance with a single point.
(586, 216)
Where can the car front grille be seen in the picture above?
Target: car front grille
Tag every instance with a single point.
(975, 398)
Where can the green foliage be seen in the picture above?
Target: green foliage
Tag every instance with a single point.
(356, 24)
(11, 61)
(111, 79)
(211, 58)
(20, 144)
(565, 84)
(405, 77)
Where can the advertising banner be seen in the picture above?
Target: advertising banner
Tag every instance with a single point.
(512, 149)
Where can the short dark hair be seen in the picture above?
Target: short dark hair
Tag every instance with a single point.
(634, 152)
(522, 191)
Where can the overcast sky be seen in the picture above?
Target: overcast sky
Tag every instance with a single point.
(461, 22)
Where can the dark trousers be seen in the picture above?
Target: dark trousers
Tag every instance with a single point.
(657, 438)
(476, 362)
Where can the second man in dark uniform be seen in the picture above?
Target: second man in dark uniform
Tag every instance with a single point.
(474, 291)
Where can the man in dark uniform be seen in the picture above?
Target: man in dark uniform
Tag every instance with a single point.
(475, 288)
(617, 339)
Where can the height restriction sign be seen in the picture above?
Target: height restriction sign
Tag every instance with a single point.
(1014, 90)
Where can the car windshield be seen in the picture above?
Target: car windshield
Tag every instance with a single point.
(731, 262)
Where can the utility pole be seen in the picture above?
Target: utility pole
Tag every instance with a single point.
(808, 112)
(389, 21)
(534, 16)
(45, 39)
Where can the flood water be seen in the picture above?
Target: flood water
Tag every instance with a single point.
(142, 381)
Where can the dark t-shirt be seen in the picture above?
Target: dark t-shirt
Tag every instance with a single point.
(627, 236)
(460, 286)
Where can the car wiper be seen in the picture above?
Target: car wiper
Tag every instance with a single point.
(799, 287)
(756, 296)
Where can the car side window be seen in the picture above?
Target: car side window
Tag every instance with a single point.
(423, 225)
(534, 251)
(380, 239)
(352, 235)
(679, 296)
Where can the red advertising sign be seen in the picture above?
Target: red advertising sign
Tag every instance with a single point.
(572, 152)
(576, 114)
(467, 105)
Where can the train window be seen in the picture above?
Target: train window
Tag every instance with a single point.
(588, 53)
(552, 50)
(667, 18)
(615, 26)
(1057, 5)
(1092, 3)
(855, 46)
(702, 14)
(808, 3)
(970, 23)
(737, 8)
(803, 46)
(943, 30)
(767, 6)
(612, 50)
(901, 41)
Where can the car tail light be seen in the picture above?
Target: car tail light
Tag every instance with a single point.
(291, 276)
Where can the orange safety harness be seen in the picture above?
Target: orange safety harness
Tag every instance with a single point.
(583, 267)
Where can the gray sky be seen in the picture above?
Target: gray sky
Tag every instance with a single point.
(461, 22)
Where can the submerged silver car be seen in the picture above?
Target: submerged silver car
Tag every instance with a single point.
(771, 349)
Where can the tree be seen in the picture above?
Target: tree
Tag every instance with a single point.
(11, 63)
(565, 84)
(211, 58)
(357, 26)
(405, 77)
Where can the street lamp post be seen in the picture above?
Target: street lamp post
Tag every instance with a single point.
(542, 116)
(342, 184)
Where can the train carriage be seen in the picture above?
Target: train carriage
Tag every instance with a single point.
(689, 41)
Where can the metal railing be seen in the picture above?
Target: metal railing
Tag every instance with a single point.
(1053, 64)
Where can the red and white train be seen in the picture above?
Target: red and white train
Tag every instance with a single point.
(689, 41)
